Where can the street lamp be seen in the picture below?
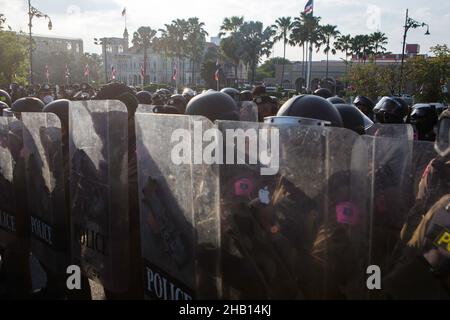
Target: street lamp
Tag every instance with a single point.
(104, 42)
(33, 12)
(409, 23)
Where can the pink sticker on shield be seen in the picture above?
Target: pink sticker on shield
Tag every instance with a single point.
(347, 213)
(243, 187)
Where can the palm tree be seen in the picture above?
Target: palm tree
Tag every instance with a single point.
(196, 42)
(362, 46)
(378, 40)
(298, 37)
(329, 32)
(143, 39)
(283, 27)
(344, 43)
(231, 45)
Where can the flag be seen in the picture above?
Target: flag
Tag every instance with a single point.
(175, 71)
(86, 71)
(113, 73)
(309, 8)
(142, 72)
(124, 12)
(47, 73)
(67, 73)
(217, 74)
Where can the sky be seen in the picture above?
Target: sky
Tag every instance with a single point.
(89, 19)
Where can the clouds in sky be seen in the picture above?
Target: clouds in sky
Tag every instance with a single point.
(88, 19)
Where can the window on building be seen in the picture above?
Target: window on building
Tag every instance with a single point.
(120, 49)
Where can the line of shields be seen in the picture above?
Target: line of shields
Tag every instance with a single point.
(224, 210)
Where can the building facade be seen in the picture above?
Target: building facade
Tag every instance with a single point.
(127, 62)
(48, 45)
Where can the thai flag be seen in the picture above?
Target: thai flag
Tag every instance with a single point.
(175, 71)
(142, 72)
(47, 73)
(124, 12)
(67, 73)
(309, 8)
(113, 73)
(86, 71)
(217, 74)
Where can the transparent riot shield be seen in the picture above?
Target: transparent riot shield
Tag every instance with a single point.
(179, 216)
(47, 206)
(294, 212)
(98, 148)
(392, 194)
(14, 221)
(396, 131)
(145, 108)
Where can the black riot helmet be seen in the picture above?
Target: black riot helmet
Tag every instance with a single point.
(159, 98)
(336, 100)
(27, 104)
(390, 110)
(214, 106)
(323, 92)
(353, 118)
(121, 92)
(312, 107)
(442, 144)
(424, 118)
(61, 109)
(246, 95)
(365, 105)
(144, 97)
(5, 97)
(188, 94)
(179, 102)
(3, 106)
(233, 93)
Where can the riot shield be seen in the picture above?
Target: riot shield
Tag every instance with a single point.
(100, 226)
(14, 221)
(248, 111)
(392, 192)
(50, 228)
(178, 207)
(293, 209)
(396, 131)
(145, 108)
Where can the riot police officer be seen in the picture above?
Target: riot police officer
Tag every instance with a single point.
(144, 97)
(424, 117)
(354, 119)
(188, 94)
(323, 92)
(214, 106)
(179, 102)
(27, 104)
(233, 93)
(365, 105)
(391, 111)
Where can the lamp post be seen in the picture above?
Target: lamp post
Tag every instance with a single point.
(33, 12)
(409, 23)
(104, 42)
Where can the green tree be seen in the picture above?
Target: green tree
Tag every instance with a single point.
(379, 40)
(362, 46)
(231, 45)
(14, 63)
(268, 68)
(427, 75)
(344, 44)
(299, 37)
(257, 42)
(283, 27)
(329, 32)
(209, 67)
(142, 39)
(195, 43)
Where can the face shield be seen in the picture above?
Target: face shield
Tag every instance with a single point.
(443, 136)
(297, 120)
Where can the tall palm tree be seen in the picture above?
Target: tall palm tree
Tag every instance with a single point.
(143, 39)
(362, 46)
(196, 42)
(283, 27)
(344, 43)
(314, 36)
(231, 45)
(298, 37)
(329, 32)
(379, 40)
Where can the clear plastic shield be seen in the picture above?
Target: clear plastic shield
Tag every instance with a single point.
(396, 131)
(98, 134)
(294, 212)
(50, 227)
(14, 221)
(145, 108)
(178, 207)
(392, 188)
